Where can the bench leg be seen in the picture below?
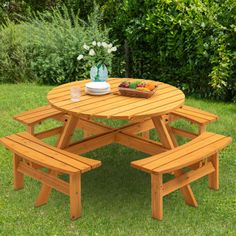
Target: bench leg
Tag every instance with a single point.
(168, 140)
(30, 129)
(157, 196)
(63, 141)
(75, 196)
(201, 129)
(18, 178)
(213, 178)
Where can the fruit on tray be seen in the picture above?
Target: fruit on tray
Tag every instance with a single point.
(139, 85)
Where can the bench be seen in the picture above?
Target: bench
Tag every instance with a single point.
(203, 148)
(194, 115)
(31, 118)
(32, 156)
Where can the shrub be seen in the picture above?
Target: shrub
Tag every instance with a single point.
(46, 46)
(190, 44)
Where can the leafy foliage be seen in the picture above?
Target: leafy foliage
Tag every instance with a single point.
(45, 47)
(190, 44)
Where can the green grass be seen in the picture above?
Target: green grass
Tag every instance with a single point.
(115, 197)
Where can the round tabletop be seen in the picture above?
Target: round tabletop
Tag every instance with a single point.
(165, 99)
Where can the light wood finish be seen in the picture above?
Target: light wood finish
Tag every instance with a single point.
(169, 141)
(213, 178)
(194, 115)
(28, 151)
(167, 98)
(35, 116)
(18, 178)
(157, 196)
(204, 148)
(75, 196)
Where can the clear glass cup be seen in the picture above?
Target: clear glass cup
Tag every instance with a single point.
(75, 94)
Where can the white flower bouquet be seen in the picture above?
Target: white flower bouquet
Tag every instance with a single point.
(98, 55)
(97, 52)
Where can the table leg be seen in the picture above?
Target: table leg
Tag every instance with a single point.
(63, 142)
(168, 140)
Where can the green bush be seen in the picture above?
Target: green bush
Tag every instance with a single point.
(45, 47)
(190, 44)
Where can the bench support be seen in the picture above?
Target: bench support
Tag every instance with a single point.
(63, 141)
(182, 181)
(18, 178)
(75, 196)
(213, 178)
(169, 141)
(157, 196)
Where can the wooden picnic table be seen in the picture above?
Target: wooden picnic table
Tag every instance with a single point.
(201, 155)
(140, 112)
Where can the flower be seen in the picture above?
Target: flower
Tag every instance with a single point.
(91, 52)
(80, 57)
(97, 52)
(86, 47)
(104, 44)
(113, 49)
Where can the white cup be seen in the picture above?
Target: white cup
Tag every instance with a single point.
(75, 94)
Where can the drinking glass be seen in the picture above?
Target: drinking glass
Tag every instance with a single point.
(75, 94)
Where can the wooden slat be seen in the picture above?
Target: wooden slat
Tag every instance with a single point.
(37, 157)
(105, 106)
(185, 155)
(187, 178)
(159, 110)
(148, 160)
(92, 163)
(131, 109)
(213, 116)
(128, 103)
(104, 103)
(196, 156)
(51, 154)
(35, 110)
(52, 181)
(195, 115)
(188, 149)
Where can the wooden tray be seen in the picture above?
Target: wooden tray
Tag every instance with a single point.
(136, 93)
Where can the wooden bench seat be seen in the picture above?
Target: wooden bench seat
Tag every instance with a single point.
(194, 115)
(33, 117)
(30, 154)
(203, 148)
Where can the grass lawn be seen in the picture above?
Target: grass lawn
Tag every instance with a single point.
(115, 197)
